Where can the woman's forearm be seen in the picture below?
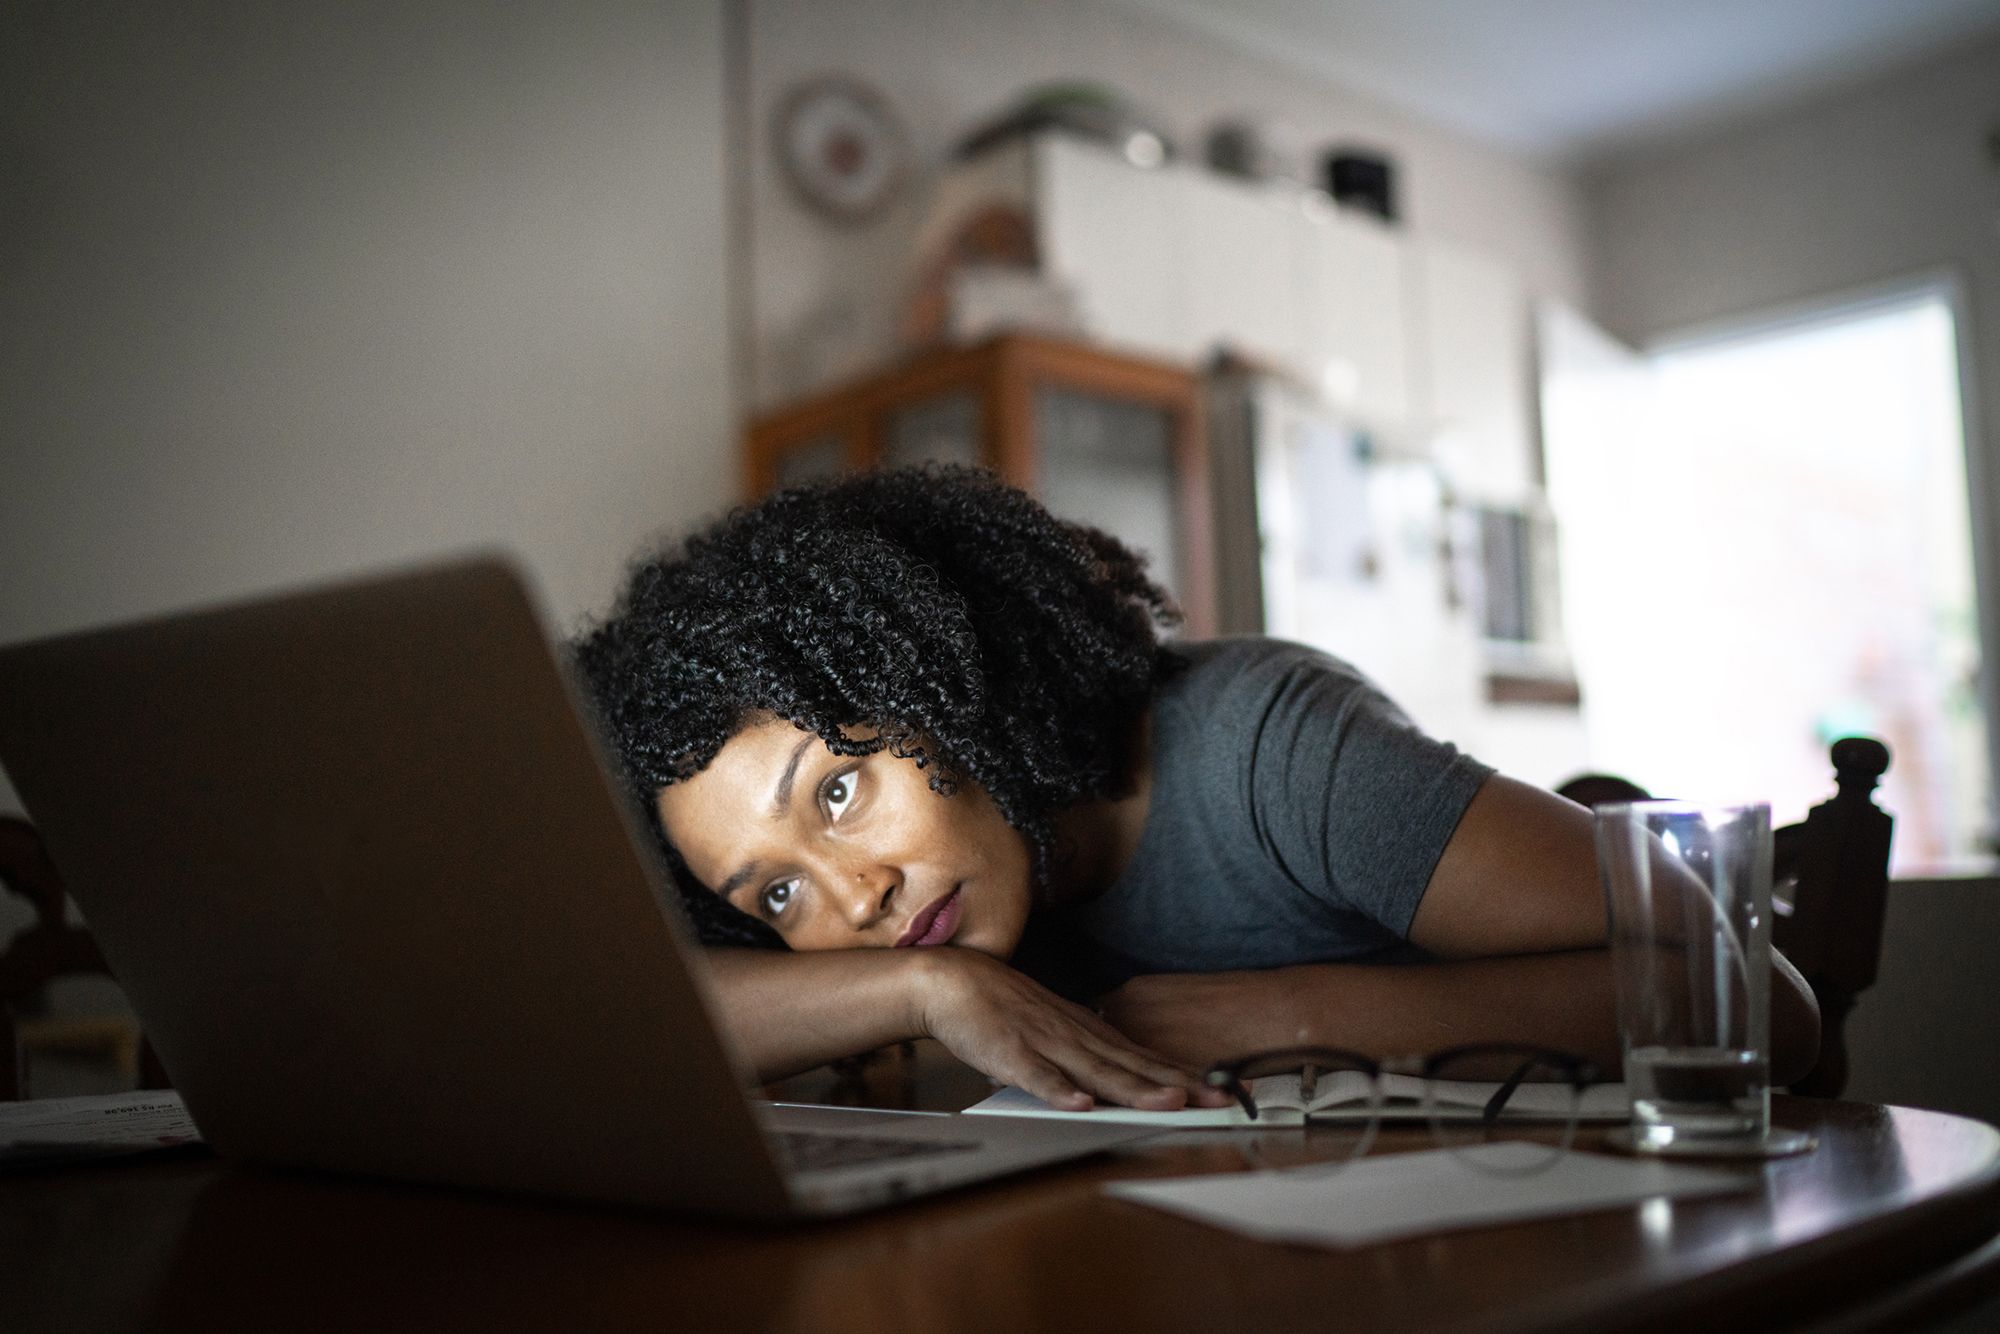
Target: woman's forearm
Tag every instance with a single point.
(1566, 1001)
(786, 1012)
(1563, 1000)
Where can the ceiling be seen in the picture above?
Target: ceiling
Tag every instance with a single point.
(1574, 80)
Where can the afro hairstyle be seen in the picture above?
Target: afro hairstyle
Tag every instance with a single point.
(972, 632)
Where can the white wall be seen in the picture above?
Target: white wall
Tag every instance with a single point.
(947, 65)
(1879, 184)
(297, 289)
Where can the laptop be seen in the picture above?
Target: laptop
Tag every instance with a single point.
(355, 857)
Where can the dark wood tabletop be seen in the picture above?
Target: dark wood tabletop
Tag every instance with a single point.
(192, 1243)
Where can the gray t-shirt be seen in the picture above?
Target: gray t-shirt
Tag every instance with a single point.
(1295, 817)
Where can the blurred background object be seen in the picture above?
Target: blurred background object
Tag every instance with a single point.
(1093, 112)
(1366, 181)
(842, 147)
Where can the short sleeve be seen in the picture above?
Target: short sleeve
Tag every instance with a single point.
(1348, 796)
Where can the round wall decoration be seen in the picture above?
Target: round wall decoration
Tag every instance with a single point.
(842, 148)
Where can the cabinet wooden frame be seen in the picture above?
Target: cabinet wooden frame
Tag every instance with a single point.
(1002, 375)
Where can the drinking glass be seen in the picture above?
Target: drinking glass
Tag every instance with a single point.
(1688, 890)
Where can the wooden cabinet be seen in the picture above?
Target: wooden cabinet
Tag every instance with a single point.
(1102, 438)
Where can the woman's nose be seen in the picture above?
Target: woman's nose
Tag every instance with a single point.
(867, 893)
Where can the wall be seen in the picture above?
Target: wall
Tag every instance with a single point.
(1879, 184)
(292, 290)
(825, 297)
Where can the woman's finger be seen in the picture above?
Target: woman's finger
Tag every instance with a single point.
(1139, 1061)
(1152, 1065)
(1038, 1076)
(1100, 1067)
(1107, 1078)
(1144, 1060)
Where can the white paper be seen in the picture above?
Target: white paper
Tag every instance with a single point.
(1410, 1194)
(54, 1130)
(1018, 1102)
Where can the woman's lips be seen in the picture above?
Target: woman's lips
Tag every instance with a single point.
(933, 924)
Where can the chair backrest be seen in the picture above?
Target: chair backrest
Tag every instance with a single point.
(46, 949)
(1831, 878)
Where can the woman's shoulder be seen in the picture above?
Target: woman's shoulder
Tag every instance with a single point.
(1260, 700)
(1246, 666)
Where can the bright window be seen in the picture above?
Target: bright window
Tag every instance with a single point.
(1781, 556)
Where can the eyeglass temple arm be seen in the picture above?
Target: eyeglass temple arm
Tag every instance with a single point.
(1498, 1102)
(1236, 1089)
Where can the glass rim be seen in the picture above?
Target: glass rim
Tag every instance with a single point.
(1678, 806)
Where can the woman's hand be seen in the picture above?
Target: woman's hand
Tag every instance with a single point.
(1011, 1028)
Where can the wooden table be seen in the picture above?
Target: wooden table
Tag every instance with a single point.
(1889, 1198)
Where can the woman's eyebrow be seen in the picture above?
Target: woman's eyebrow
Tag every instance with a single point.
(783, 796)
(742, 876)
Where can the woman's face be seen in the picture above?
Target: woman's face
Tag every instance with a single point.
(849, 851)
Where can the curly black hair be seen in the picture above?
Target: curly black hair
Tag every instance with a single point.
(973, 632)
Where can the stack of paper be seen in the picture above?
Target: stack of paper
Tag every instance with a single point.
(60, 1130)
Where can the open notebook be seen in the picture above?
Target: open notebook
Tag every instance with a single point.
(1342, 1095)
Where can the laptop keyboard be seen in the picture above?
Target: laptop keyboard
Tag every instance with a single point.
(816, 1150)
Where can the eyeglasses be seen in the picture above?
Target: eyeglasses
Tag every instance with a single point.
(1477, 1097)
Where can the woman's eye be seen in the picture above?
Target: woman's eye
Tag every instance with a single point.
(839, 792)
(777, 896)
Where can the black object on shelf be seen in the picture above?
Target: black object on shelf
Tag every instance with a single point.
(1363, 180)
(1236, 148)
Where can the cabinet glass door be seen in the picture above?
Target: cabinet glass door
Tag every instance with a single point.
(1110, 464)
(810, 460)
(937, 430)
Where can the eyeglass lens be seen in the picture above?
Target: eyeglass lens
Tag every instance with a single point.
(1523, 1125)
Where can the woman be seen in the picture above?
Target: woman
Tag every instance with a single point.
(921, 763)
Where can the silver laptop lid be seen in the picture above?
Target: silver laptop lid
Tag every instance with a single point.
(356, 862)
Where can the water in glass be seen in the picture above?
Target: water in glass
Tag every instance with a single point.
(1683, 1095)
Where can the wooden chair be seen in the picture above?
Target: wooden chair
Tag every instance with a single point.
(1830, 877)
(47, 949)
(1830, 881)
